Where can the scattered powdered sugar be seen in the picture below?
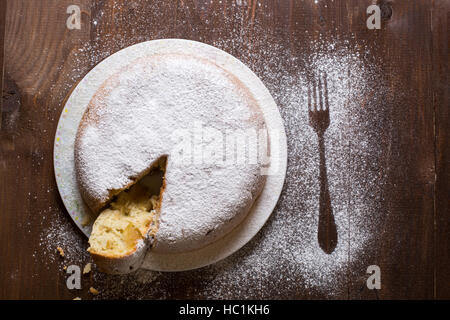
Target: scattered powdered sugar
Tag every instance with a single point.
(284, 259)
(287, 252)
(60, 232)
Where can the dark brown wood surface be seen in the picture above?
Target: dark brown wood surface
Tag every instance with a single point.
(43, 61)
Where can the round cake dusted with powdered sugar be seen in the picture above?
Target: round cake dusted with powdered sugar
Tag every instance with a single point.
(205, 125)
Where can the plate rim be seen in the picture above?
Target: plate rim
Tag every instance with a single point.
(201, 257)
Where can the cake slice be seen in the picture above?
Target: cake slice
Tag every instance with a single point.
(125, 229)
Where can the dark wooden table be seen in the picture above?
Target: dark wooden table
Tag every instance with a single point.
(42, 60)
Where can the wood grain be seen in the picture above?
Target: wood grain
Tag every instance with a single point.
(440, 25)
(2, 54)
(405, 247)
(43, 61)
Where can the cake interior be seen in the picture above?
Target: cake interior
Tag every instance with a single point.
(130, 217)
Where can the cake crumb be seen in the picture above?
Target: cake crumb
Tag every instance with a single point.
(87, 268)
(93, 291)
(61, 251)
(65, 268)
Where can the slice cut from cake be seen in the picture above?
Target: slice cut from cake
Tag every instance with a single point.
(126, 227)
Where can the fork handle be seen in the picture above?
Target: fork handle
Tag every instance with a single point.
(327, 232)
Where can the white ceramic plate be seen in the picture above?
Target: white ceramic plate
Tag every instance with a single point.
(77, 104)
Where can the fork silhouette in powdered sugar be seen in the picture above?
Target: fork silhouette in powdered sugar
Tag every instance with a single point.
(319, 119)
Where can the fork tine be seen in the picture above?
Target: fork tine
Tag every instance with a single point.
(309, 98)
(327, 104)
(320, 94)
(315, 95)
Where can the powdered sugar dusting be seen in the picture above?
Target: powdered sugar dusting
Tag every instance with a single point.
(288, 252)
(59, 232)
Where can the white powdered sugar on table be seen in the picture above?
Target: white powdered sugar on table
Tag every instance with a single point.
(285, 254)
(289, 250)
